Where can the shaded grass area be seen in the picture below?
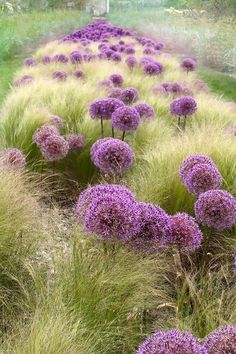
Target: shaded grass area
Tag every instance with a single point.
(219, 83)
(20, 33)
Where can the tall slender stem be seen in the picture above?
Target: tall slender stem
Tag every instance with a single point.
(179, 121)
(123, 136)
(102, 130)
(184, 123)
(112, 132)
(53, 173)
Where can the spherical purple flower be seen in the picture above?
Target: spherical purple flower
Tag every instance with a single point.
(171, 342)
(116, 79)
(99, 190)
(217, 209)
(12, 157)
(112, 217)
(183, 106)
(153, 68)
(159, 46)
(56, 121)
(149, 51)
(46, 59)
(129, 95)
(54, 148)
(107, 84)
(125, 119)
(112, 156)
(103, 108)
(222, 341)
(200, 85)
(154, 228)
(43, 133)
(79, 74)
(115, 93)
(188, 64)
(116, 56)
(76, 142)
(131, 62)
(129, 50)
(59, 75)
(30, 62)
(202, 177)
(60, 58)
(145, 110)
(185, 232)
(188, 164)
(76, 57)
(25, 80)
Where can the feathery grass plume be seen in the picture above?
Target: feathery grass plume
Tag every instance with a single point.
(20, 232)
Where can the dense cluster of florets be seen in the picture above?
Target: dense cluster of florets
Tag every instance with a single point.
(76, 142)
(116, 79)
(54, 148)
(125, 119)
(188, 64)
(112, 156)
(12, 157)
(221, 341)
(103, 108)
(152, 68)
(171, 342)
(183, 106)
(129, 95)
(60, 75)
(145, 110)
(185, 232)
(216, 209)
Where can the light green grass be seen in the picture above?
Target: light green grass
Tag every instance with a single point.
(19, 34)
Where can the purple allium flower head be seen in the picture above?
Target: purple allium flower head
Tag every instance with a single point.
(154, 228)
(131, 62)
(79, 74)
(222, 341)
(115, 93)
(116, 79)
(112, 217)
(171, 342)
(107, 84)
(200, 85)
(129, 50)
(125, 119)
(112, 156)
(25, 80)
(149, 51)
(30, 62)
(174, 88)
(185, 232)
(153, 68)
(99, 190)
(202, 177)
(54, 148)
(145, 110)
(59, 75)
(56, 121)
(43, 133)
(188, 164)
(216, 208)
(76, 57)
(46, 59)
(183, 106)
(188, 64)
(159, 46)
(104, 108)
(12, 157)
(129, 95)
(76, 141)
(116, 56)
(60, 58)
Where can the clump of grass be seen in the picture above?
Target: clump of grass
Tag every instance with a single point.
(20, 232)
